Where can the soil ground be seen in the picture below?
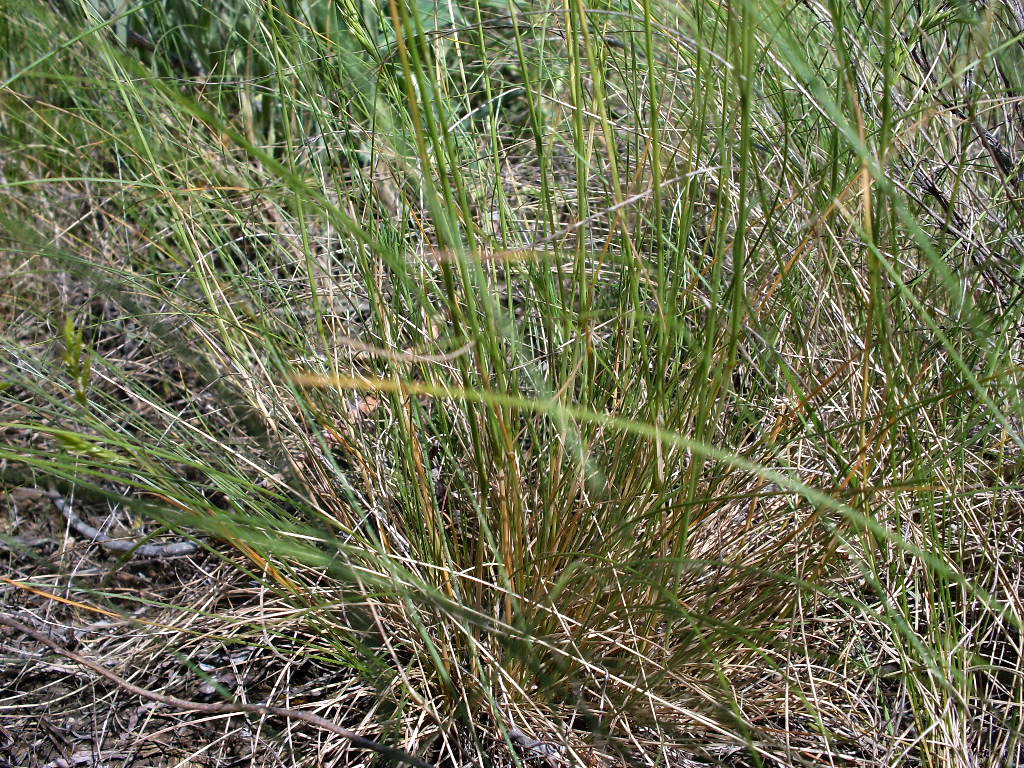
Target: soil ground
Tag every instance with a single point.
(168, 625)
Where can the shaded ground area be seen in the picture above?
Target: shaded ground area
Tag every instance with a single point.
(175, 626)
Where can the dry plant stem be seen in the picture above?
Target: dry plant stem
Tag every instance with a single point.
(222, 707)
(145, 550)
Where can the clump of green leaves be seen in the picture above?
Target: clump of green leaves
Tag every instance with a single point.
(77, 359)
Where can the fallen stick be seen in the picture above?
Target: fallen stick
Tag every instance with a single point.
(173, 549)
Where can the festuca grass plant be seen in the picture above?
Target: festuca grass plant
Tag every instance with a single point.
(636, 379)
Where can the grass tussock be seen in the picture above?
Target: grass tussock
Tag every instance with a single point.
(639, 380)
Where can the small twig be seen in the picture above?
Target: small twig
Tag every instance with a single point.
(119, 545)
(220, 707)
(14, 543)
(547, 752)
(86, 758)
